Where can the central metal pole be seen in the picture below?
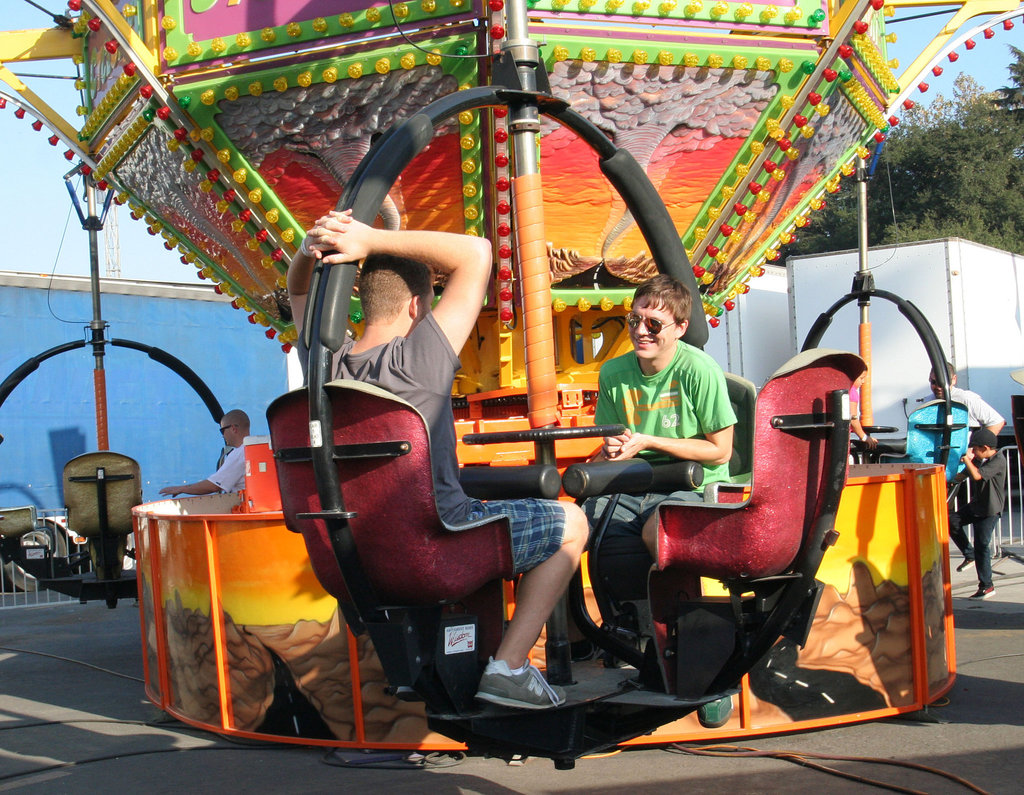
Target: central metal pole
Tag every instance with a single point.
(535, 279)
(93, 223)
(864, 281)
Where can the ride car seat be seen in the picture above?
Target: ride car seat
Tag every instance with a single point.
(408, 554)
(100, 490)
(800, 446)
(924, 437)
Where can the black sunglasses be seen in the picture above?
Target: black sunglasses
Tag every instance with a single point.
(633, 320)
(225, 427)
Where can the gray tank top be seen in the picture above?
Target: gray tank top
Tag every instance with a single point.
(419, 369)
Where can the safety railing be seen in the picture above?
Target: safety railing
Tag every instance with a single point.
(19, 589)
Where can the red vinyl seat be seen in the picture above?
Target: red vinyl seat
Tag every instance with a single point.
(382, 456)
(755, 543)
(762, 534)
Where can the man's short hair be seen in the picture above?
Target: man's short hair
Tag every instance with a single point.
(236, 417)
(385, 282)
(668, 292)
(950, 372)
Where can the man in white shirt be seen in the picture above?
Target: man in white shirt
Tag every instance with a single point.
(230, 476)
(979, 413)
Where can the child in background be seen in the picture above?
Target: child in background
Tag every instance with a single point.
(988, 471)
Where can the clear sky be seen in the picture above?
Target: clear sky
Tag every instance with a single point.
(42, 233)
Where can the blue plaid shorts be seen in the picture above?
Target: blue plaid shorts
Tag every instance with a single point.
(536, 526)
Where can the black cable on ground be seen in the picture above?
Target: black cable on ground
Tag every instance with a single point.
(125, 754)
(804, 757)
(74, 661)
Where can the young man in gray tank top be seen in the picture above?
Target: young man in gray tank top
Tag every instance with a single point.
(412, 350)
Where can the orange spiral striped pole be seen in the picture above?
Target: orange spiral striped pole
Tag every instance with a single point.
(864, 341)
(99, 384)
(535, 279)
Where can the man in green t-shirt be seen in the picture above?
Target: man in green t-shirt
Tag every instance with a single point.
(674, 402)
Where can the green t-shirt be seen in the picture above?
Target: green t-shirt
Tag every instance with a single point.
(687, 399)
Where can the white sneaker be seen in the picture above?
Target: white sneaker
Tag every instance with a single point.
(527, 689)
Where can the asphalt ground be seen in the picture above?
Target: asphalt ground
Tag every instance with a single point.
(74, 718)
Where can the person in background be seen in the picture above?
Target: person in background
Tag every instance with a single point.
(987, 469)
(870, 442)
(979, 413)
(230, 475)
(412, 351)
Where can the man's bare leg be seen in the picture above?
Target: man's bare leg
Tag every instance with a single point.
(540, 588)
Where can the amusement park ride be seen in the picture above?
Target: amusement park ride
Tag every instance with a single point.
(596, 143)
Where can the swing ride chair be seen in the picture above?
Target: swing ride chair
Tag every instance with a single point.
(358, 487)
(100, 489)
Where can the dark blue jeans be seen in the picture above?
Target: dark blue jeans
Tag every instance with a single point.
(625, 560)
(981, 552)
